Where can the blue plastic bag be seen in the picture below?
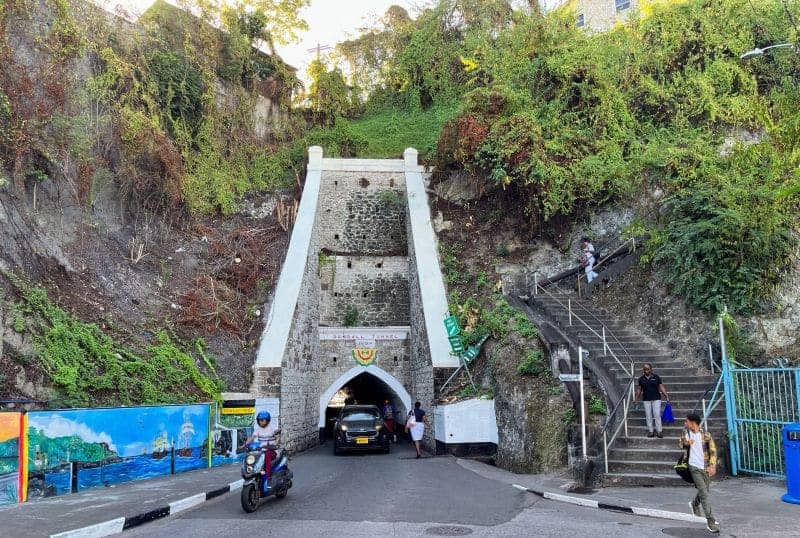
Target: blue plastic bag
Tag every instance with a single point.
(666, 414)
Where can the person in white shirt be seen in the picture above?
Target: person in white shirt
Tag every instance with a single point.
(269, 436)
(702, 466)
(587, 258)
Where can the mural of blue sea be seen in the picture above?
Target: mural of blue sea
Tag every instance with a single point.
(114, 445)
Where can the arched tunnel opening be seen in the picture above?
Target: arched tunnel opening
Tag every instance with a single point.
(364, 389)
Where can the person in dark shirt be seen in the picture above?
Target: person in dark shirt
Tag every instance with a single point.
(649, 390)
(415, 425)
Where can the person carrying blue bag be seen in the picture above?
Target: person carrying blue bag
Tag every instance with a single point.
(649, 390)
(666, 415)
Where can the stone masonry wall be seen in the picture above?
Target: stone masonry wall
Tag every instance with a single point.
(602, 15)
(422, 374)
(377, 287)
(362, 213)
(299, 388)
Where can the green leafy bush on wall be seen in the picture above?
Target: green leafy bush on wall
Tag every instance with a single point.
(88, 368)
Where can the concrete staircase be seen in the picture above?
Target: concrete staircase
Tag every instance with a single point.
(635, 460)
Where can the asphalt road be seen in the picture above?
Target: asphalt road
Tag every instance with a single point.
(397, 495)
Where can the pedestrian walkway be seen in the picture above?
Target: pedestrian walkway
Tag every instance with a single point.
(743, 506)
(129, 500)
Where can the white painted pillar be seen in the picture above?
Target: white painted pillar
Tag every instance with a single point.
(429, 274)
(281, 311)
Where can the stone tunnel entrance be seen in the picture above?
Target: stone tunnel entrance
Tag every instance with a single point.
(366, 386)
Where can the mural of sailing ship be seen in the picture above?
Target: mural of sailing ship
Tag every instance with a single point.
(187, 433)
(110, 446)
(160, 446)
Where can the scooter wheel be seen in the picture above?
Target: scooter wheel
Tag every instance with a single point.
(282, 493)
(250, 499)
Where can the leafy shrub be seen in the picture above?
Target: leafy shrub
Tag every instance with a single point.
(532, 364)
(87, 367)
(597, 406)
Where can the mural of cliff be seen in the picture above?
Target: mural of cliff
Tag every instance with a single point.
(70, 450)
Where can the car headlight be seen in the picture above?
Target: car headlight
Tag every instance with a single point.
(250, 459)
(343, 427)
(378, 426)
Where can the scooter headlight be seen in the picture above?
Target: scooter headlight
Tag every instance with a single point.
(250, 459)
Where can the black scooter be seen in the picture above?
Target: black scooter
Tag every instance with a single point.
(254, 489)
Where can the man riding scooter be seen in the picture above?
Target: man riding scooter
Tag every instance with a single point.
(269, 436)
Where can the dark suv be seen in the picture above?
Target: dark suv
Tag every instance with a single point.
(360, 427)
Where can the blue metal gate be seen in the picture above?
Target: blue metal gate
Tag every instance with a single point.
(759, 403)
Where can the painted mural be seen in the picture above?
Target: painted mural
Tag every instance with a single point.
(70, 450)
(9, 457)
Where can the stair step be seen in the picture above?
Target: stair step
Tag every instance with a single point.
(670, 440)
(642, 479)
(664, 466)
(652, 453)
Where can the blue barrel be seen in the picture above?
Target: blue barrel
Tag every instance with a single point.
(791, 451)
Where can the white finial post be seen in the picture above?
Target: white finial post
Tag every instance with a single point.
(410, 156)
(315, 158)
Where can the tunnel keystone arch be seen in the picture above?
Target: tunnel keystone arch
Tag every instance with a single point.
(397, 387)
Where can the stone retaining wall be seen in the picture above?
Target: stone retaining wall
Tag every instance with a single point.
(376, 288)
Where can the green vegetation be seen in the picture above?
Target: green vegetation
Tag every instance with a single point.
(597, 406)
(388, 133)
(178, 96)
(87, 368)
(532, 363)
(561, 121)
(350, 316)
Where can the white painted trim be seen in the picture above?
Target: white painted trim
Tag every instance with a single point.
(429, 275)
(354, 372)
(106, 528)
(237, 484)
(356, 333)
(185, 504)
(666, 514)
(571, 500)
(281, 311)
(366, 165)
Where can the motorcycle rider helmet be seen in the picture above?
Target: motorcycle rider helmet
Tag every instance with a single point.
(263, 415)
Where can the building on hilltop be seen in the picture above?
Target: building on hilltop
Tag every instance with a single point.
(600, 15)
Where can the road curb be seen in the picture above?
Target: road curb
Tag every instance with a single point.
(117, 525)
(633, 510)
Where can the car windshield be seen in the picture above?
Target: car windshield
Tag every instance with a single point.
(355, 416)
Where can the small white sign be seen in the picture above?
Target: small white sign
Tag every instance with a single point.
(569, 377)
(368, 343)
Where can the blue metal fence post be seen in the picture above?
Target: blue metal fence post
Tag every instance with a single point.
(730, 415)
(797, 389)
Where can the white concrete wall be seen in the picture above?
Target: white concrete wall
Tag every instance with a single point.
(431, 283)
(469, 421)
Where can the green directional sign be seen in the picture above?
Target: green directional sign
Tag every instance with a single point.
(456, 344)
(473, 350)
(451, 326)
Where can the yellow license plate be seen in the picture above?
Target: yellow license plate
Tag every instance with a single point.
(362, 440)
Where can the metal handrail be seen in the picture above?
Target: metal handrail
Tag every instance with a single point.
(717, 394)
(611, 333)
(571, 315)
(625, 402)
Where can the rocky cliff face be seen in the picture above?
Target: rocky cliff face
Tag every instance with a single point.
(80, 217)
